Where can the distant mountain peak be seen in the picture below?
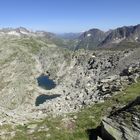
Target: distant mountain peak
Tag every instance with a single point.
(97, 38)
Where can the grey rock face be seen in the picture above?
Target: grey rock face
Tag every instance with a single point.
(91, 39)
(124, 124)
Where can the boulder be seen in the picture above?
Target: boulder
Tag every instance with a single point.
(123, 124)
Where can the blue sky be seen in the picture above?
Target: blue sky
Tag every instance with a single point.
(69, 15)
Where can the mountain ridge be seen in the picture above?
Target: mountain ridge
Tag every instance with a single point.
(93, 38)
(98, 38)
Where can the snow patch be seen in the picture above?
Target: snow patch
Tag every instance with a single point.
(23, 32)
(136, 38)
(13, 33)
(88, 35)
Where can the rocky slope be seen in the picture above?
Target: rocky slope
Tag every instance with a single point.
(82, 77)
(91, 78)
(19, 69)
(127, 34)
(124, 123)
(91, 39)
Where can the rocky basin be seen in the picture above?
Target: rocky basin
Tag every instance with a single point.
(82, 77)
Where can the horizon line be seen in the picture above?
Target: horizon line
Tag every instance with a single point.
(65, 32)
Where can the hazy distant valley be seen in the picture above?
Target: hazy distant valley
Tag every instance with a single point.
(80, 85)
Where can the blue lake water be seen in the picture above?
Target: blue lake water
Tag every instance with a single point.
(45, 82)
(43, 98)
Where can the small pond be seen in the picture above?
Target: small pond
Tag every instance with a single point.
(43, 98)
(45, 82)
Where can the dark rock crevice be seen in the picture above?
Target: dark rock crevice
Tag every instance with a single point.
(99, 132)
